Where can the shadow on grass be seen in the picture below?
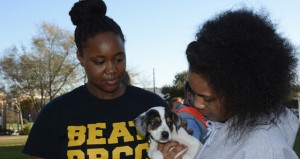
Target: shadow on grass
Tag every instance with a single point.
(12, 152)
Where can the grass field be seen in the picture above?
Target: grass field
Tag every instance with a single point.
(11, 146)
(12, 152)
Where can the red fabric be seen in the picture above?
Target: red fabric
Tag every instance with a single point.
(196, 113)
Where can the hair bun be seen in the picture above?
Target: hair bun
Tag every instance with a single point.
(87, 10)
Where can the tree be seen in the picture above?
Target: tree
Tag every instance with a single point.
(294, 93)
(177, 89)
(293, 98)
(14, 98)
(56, 49)
(47, 70)
(137, 78)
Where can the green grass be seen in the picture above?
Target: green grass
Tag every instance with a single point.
(11, 147)
(12, 152)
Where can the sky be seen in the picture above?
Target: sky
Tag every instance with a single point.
(156, 31)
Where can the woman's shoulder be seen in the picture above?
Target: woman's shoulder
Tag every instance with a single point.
(140, 91)
(267, 141)
(143, 95)
(67, 97)
(264, 135)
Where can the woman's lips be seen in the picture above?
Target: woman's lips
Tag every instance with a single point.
(111, 81)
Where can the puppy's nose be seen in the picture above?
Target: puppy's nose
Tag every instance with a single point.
(165, 135)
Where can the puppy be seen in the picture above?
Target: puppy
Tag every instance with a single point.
(163, 126)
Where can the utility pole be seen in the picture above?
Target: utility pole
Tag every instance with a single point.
(153, 80)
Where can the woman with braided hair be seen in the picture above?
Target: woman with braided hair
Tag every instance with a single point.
(94, 120)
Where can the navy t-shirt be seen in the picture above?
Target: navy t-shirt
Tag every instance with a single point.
(78, 125)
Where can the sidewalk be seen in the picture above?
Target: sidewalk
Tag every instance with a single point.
(11, 140)
(13, 137)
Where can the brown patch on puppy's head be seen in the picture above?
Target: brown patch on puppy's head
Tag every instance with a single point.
(153, 121)
(172, 118)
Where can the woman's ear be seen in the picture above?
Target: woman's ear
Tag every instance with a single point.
(80, 57)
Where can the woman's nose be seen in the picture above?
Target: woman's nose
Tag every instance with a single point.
(110, 68)
(199, 103)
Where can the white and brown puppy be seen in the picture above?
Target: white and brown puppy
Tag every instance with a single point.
(163, 126)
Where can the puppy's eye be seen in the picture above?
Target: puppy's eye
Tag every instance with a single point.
(154, 122)
(169, 123)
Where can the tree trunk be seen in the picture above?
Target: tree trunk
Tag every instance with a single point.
(4, 116)
(21, 119)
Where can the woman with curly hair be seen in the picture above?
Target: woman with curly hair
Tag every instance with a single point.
(240, 72)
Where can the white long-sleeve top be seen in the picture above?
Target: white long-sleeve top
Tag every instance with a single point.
(267, 141)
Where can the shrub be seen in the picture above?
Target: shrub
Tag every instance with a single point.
(25, 130)
(25, 121)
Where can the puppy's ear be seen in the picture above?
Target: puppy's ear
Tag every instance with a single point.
(177, 120)
(141, 125)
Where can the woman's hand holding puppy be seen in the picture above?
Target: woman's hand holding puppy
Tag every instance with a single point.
(171, 149)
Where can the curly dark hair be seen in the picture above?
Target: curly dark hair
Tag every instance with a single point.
(89, 17)
(246, 62)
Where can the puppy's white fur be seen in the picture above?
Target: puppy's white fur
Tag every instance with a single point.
(178, 134)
